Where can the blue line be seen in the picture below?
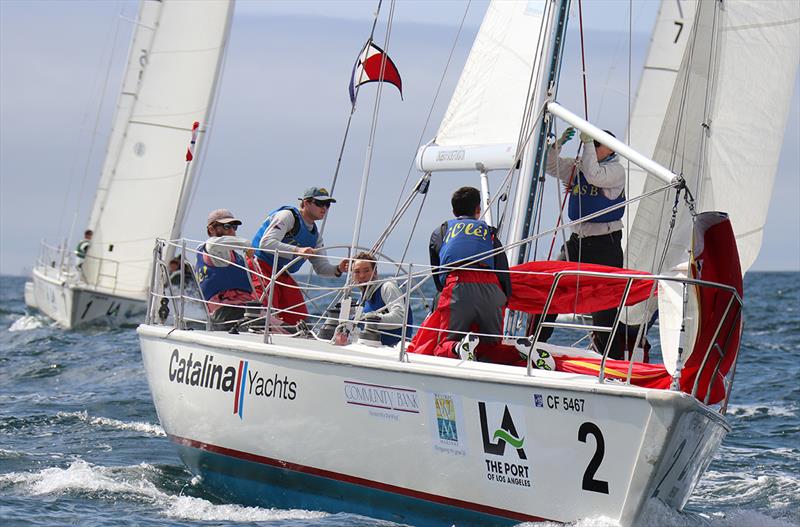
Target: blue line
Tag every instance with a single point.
(241, 393)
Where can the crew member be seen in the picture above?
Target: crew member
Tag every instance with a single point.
(470, 270)
(221, 271)
(384, 304)
(292, 232)
(83, 247)
(595, 182)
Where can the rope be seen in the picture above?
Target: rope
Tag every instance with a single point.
(586, 116)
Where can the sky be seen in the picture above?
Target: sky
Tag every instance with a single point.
(281, 113)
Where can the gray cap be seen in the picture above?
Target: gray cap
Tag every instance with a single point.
(318, 193)
(222, 216)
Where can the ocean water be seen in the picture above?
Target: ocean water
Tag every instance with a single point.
(80, 442)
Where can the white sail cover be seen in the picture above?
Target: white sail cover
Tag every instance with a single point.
(723, 131)
(169, 83)
(488, 104)
(670, 35)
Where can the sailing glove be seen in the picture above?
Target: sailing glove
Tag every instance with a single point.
(568, 134)
(586, 138)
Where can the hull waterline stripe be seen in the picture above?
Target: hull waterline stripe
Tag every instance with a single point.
(254, 458)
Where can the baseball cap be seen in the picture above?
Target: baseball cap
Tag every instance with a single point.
(317, 193)
(222, 216)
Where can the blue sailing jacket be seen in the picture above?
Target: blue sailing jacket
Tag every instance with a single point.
(299, 236)
(465, 238)
(586, 199)
(214, 280)
(389, 337)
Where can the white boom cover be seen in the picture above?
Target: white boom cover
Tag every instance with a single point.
(667, 44)
(169, 83)
(723, 131)
(488, 103)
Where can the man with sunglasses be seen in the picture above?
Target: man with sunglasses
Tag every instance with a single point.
(220, 270)
(292, 232)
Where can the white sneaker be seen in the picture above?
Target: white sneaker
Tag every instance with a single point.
(524, 346)
(542, 360)
(466, 347)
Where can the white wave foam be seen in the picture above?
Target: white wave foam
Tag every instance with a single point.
(593, 521)
(197, 509)
(135, 483)
(779, 490)
(28, 322)
(138, 426)
(763, 409)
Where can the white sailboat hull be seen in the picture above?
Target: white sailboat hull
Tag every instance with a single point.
(301, 423)
(72, 304)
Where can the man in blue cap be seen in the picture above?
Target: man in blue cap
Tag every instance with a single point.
(293, 232)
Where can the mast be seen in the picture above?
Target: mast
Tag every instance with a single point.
(525, 195)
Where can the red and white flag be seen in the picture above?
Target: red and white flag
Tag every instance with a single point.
(190, 150)
(368, 69)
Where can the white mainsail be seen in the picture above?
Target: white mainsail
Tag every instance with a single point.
(723, 132)
(483, 120)
(169, 83)
(670, 34)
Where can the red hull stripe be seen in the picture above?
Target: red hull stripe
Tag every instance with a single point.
(246, 456)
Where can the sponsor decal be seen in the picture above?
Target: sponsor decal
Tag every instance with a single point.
(447, 425)
(383, 401)
(450, 155)
(239, 380)
(503, 434)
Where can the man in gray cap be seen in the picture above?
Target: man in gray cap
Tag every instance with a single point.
(221, 269)
(293, 232)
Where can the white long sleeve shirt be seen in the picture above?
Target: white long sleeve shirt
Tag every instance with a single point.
(607, 175)
(220, 248)
(281, 224)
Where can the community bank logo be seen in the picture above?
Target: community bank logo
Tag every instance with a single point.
(240, 380)
(383, 401)
(503, 434)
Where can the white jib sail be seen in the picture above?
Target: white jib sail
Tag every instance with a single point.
(487, 107)
(169, 83)
(670, 35)
(723, 131)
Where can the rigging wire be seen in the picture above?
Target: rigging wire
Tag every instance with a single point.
(433, 103)
(350, 117)
(372, 133)
(93, 136)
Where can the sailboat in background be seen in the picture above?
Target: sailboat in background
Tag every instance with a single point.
(297, 421)
(144, 190)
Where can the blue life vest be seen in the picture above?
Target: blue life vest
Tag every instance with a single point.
(214, 280)
(586, 199)
(465, 238)
(299, 235)
(389, 337)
